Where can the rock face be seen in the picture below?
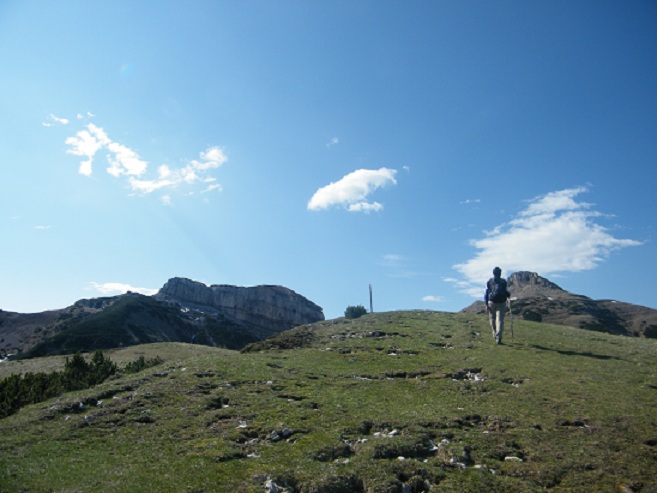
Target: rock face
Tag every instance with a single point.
(540, 300)
(529, 284)
(183, 311)
(266, 310)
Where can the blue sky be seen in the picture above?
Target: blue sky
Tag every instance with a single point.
(326, 146)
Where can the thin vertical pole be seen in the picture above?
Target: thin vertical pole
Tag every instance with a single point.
(371, 305)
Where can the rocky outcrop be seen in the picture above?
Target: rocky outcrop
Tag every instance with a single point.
(540, 300)
(265, 310)
(183, 311)
(529, 284)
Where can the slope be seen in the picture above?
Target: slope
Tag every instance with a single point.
(540, 300)
(401, 401)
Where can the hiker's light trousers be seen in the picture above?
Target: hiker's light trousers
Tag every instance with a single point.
(496, 312)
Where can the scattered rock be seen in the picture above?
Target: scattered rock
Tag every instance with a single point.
(512, 458)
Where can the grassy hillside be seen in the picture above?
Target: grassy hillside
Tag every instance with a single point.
(392, 402)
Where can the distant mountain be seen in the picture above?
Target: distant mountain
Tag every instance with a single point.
(538, 299)
(265, 310)
(182, 311)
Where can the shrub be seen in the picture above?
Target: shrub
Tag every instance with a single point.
(18, 390)
(355, 311)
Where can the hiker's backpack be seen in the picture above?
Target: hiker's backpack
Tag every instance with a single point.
(497, 292)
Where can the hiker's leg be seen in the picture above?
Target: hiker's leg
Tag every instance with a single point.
(501, 310)
(491, 316)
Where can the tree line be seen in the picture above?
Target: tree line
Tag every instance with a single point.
(18, 390)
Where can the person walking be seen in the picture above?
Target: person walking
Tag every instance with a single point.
(495, 299)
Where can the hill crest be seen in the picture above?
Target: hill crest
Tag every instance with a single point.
(538, 299)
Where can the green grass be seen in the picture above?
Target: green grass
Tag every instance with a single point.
(417, 400)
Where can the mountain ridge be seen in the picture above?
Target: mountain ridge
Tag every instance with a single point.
(182, 311)
(538, 299)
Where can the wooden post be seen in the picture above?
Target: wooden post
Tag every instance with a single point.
(371, 305)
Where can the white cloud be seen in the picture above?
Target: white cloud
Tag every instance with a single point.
(54, 120)
(334, 141)
(365, 207)
(433, 299)
(42, 227)
(125, 162)
(553, 234)
(87, 143)
(212, 187)
(195, 171)
(212, 158)
(393, 258)
(352, 191)
(113, 288)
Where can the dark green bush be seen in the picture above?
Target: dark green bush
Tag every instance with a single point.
(355, 311)
(17, 390)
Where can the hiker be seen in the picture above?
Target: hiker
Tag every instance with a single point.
(495, 299)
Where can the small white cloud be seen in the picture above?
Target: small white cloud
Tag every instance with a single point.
(165, 199)
(212, 158)
(333, 142)
(212, 187)
(352, 190)
(42, 227)
(365, 207)
(54, 120)
(433, 299)
(113, 288)
(470, 201)
(553, 234)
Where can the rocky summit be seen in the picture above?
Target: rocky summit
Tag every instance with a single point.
(537, 299)
(182, 311)
(266, 310)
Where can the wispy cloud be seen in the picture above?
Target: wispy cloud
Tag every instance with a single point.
(194, 172)
(352, 191)
(114, 288)
(41, 227)
(54, 120)
(393, 259)
(554, 234)
(333, 142)
(398, 266)
(127, 163)
(433, 299)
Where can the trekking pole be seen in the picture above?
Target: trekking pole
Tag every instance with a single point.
(511, 315)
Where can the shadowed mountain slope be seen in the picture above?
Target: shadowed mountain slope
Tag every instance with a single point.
(538, 299)
(183, 311)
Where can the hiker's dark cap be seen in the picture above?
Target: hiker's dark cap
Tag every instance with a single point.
(497, 271)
